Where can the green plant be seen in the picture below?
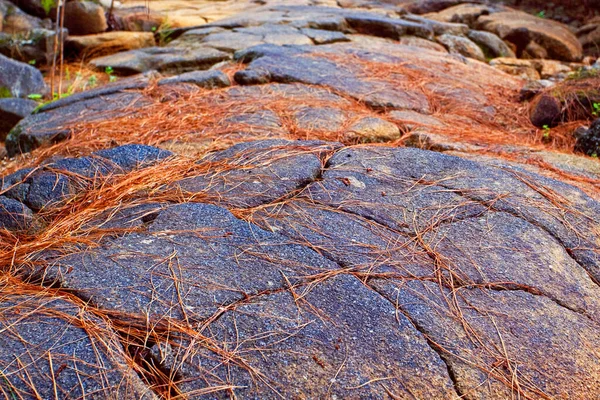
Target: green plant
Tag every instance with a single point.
(31, 62)
(48, 5)
(546, 135)
(595, 109)
(93, 81)
(164, 32)
(110, 71)
(34, 96)
(541, 14)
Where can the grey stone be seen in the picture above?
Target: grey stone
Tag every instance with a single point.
(48, 126)
(285, 65)
(84, 18)
(194, 259)
(133, 156)
(204, 79)
(461, 45)
(160, 59)
(20, 79)
(491, 44)
(12, 111)
(52, 346)
(332, 324)
(320, 36)
(14, 215)
(255, 173)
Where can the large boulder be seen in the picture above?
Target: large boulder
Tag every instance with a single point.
(84, 18)
(18, 79)
(108, 42)
(520, 28)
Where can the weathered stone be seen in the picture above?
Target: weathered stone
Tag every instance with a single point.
(545, 110)
(462, 13)
(264, 172)
(372, 130)
(409, 120)
(534, 51)
(160, 59)
(324, 119)
(588, 140)
(320, 36)
(52, 347)
(555, 37)
(461, 45)
(133, 156)
(283, 64)
(14, 215)
(194, 259)
(84, 18)
(46, 127)
(20, 79)
(34, 47)
(551, 68)
(205, 79)
(271, 329)
(12, 111)
(513, 66)
(505, 323)
(491, 44)
(420, 42)
(109, 42)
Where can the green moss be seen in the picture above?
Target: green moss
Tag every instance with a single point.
(5, 92)
(584, 74)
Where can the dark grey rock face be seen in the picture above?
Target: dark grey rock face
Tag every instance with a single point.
(251, 174)
(588, 140)
(204, 79)
(14, 215)
(12, 111)
(20, 79)
(52, 348)
(47, 126)
(194, 259)
(57, 181)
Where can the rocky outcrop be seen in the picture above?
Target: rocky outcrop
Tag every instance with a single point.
(18, 79)
(271, 221)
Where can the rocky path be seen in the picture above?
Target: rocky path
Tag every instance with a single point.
(302, 201)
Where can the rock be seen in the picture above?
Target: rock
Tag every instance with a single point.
(589, 37)
(18, 79)
(373, 24)
(320, 36)
(372, 130)
(137, 19)
(534, 51)
(545, 110)
(410, 120)
(205, 285)
(205, 79)
(513, 66)
(533, 88)
(462, 13)
(108, 42)
(588, 140)
(15, 21)
(12, 110)
(36, 8)
(420, 42)
(35, 46)
(57, 181)
(84, 18)
(286, 65)
(551, 68)
(323, 119)
(45, 127)
(14, 215)
(326, 334)
(52, 335)
(556, 38)
(258, 178)
(461, 45)
(160, 59)
(491, 44)
(428, 6)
